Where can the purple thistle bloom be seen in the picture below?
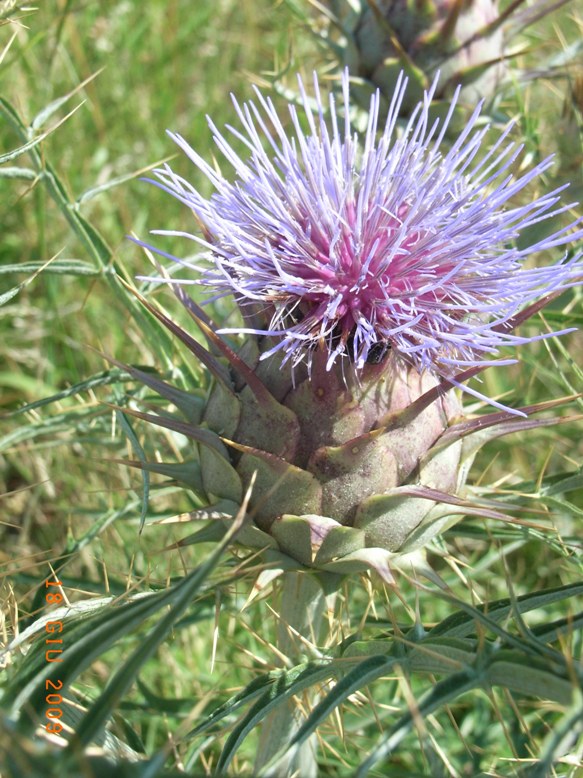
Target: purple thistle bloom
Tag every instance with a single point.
(389, 243)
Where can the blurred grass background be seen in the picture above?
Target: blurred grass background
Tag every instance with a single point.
(145, 68)
(161, 68)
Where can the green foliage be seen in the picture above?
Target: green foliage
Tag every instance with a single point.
(169, 662)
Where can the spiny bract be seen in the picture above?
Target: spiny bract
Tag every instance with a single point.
(371, 278)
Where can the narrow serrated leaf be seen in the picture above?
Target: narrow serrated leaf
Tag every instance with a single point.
(179, 598)
(51, 109)
(100, 379)
(462, 624)
(74, 267)
(289, 682)
(364, 673)
(24, 173)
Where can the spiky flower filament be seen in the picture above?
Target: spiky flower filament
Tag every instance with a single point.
(396, 241)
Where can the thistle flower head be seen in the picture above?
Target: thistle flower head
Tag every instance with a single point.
(359, 246)
(374, 269)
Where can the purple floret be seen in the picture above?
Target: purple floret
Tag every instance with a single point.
(350, 246)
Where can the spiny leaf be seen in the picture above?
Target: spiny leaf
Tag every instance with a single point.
(218, 475)
(506, 423)
(73, 267)
(364, 673)
(464, 623)
(49, 110)
(260, 391)
(287, 683)
(180, 598)
(443, 693)
(184, 472)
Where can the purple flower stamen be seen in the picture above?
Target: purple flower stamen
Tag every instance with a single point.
(347, 246)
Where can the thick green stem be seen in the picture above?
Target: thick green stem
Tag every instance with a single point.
(302, 612)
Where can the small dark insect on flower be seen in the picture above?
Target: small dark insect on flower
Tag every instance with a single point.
(377, 353)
